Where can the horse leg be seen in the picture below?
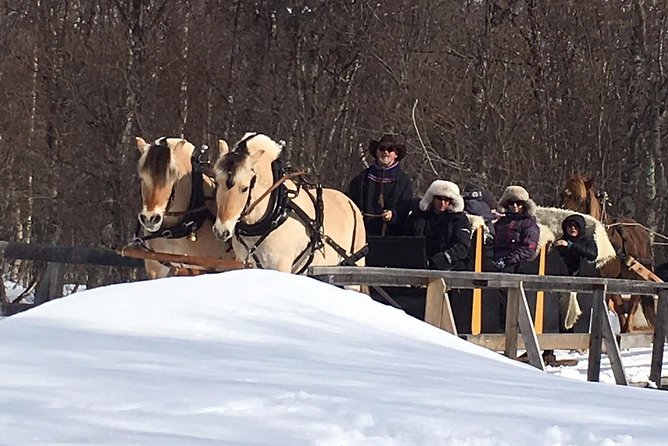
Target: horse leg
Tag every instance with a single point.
(648, 308)
(155, 269)
(634, 303)
(618, 305)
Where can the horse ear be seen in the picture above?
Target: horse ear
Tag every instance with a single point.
(223, 148)
(589, 182)
(141, 144)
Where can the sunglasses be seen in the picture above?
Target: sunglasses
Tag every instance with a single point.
(386, 149)
(516, 202)
(442, 198)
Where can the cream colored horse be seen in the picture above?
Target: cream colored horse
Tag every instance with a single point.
(166, 172)
(243, 175)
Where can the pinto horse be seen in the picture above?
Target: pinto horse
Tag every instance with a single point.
(627, 237)
(279, 222)
(178, 204)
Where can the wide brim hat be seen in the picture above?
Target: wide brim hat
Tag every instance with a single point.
(388, 140)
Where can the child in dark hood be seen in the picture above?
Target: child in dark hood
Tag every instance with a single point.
(574, 245)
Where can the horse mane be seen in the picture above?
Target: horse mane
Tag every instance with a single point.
(577, 185)
(231, 162)
(249, 145)
(257, 142)
(156, 163)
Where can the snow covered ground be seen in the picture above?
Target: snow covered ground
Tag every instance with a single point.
(264, 358)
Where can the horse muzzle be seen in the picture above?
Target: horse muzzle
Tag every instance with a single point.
(151, 222)
(223, 231)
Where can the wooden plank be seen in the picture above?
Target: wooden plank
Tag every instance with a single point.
(634, 340)
(611, 348)
(433, 308)
(596, 336)
(527, 330)
(347, 275)
(512, 324)
(547, 341)
(659, 339)
(476, 310)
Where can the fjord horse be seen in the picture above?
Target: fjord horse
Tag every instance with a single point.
(290, 228)
(178, 204)
(627, 237)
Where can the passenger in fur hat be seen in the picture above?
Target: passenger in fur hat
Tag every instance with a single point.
(447, 230)
(383, 191)
(516, 232)
(574, 245)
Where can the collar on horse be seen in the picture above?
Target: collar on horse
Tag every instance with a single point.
(196, 214)
(280, 207)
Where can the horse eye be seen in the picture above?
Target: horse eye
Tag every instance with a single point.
(244, 189)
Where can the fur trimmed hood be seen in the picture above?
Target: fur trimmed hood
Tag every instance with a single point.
(516, 193)
(445, 189)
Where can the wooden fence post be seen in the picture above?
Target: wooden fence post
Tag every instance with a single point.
(51, 285)
(659, 338)
(527, 330)
(512, 322)
(438, 311)
(599, 311)
(601, 331)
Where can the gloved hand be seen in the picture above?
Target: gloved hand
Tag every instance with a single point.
(441, 261)
(500, 264)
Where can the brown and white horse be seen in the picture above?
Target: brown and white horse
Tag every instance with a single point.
(288, 229)
(178, 204)
(626, 236)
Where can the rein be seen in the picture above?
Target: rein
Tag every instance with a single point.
(273, 187)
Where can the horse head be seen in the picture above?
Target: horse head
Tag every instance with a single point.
(161, 165)
(242, 175)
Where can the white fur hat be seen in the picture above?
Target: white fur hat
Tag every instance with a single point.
(445, 189)
(516, 193)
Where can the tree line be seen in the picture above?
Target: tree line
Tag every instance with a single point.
(495, 92)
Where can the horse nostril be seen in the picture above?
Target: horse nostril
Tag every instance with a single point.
(155, 219)
(142, 218)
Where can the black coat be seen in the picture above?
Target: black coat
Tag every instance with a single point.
(580, 249)
(397, 197)
(448, 238)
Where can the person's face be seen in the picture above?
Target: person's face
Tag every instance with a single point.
(386, 156)
(516, 206)
(440, 204)
(572, 230)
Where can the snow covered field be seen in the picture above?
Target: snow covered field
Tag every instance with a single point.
(264, 358)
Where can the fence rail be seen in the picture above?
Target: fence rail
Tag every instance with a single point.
(518, 318)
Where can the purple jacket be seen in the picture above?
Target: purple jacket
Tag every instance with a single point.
(516, 238)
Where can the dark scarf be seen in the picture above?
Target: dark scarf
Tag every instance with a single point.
(384, 175)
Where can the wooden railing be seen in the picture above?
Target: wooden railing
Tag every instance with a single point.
(518, 318)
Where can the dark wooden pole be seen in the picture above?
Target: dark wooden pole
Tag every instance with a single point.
(66, 254)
